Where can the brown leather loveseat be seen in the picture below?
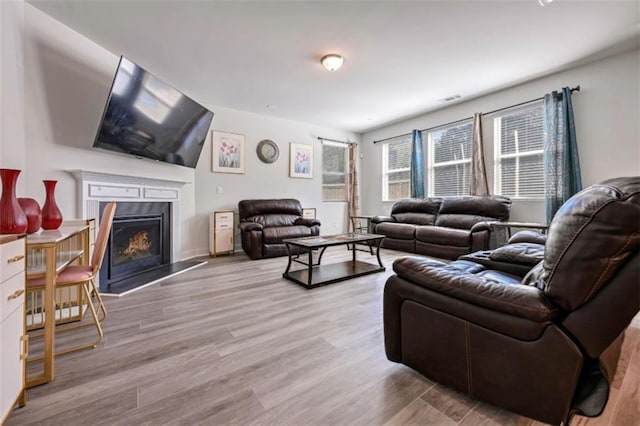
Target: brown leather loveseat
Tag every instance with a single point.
(265, 223)
(441, 227)
(545, 346)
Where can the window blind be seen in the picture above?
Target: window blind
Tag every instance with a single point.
(396, 165)
(334, 172)
(519, 147)
(450, 160)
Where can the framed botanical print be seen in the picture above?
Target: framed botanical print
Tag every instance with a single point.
(300, 160)
(227, 152)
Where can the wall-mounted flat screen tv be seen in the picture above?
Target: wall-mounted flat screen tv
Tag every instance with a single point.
(147, 117)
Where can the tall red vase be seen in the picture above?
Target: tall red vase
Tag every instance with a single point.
(12, 218)
(51, 214)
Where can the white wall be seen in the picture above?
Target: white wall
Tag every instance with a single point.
(12, 147)
(67, 80)
(66, 83)
(262, 180)
(607, 118)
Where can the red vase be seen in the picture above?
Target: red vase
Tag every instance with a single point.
(51, 214)
(12, 218)
(31, 209)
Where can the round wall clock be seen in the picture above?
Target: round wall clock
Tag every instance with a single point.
(268, 151)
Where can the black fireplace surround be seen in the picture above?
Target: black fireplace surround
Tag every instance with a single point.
(140, 241)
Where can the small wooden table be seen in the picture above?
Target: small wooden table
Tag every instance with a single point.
(48, 254)
(317, 275)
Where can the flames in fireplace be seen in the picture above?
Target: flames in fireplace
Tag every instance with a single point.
(135, 242)
(138, 244)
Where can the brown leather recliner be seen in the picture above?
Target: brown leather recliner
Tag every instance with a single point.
(545, 346)
(265, 223)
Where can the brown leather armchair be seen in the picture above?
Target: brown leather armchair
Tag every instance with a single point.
(265, 223)
(545, 346)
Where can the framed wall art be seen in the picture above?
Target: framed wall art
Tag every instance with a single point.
(300, 160)
(227, 152)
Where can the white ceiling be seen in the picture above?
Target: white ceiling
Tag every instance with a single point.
(400, 57)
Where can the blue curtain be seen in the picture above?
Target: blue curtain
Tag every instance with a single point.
(561, 162)
(417, 166)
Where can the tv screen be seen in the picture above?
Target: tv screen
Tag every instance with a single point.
(147, 117)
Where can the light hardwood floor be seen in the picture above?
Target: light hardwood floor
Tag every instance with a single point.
(233, 343)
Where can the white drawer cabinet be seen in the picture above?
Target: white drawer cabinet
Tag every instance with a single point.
(12, 331)
(221, 232)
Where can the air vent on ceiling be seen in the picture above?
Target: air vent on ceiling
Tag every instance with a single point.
(449, 99)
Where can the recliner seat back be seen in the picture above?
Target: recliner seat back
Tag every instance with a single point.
(464, 212)
(589, 239)
(270, 213)
(416, 211)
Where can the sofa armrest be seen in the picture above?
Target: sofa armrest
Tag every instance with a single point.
(250, 226)
(521, 253)
(380, 219)
(307, 222)
(518, 300)
(528, 236)
(482, 226)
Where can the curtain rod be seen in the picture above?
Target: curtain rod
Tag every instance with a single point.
(574, 89)
(320, 138)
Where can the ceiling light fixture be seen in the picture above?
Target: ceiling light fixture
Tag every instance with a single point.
(543, 3)
(332, 61)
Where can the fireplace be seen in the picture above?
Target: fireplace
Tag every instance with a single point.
(145, 204)
(140, 241)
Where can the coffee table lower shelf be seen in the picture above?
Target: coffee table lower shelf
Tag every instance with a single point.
(331, 273)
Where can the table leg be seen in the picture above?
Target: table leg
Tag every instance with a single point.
(378, 253)
(353, 253)
(286, 272)
(309, 277)
(320, 255)
(49, 313)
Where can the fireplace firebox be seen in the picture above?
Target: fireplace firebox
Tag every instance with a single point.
(140, 241)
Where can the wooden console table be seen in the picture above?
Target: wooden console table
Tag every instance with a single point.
(49, 253)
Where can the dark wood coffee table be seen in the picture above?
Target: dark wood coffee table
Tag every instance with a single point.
(315, 274)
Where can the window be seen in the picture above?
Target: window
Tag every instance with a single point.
(396, 160)
(334, 171)
(449, 158)
(519, 145)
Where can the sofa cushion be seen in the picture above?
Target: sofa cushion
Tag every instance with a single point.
(400, 231)
(275, 235)
(287, 206)
(443, 236)
(461, 221)
(495, 206)
(415, 218)
(271, 220)
(500, 277)
(429, 206)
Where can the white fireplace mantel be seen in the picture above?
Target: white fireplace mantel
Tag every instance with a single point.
(94, 187)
